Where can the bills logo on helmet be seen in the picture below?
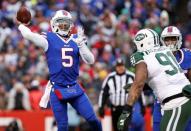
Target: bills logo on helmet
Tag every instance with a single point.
(170, 29)
(64, 12)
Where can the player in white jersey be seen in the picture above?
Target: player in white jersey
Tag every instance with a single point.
(156, 65)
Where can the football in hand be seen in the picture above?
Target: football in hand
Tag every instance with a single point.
(23, 15)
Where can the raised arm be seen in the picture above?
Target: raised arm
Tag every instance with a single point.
(37, 39)
(81, 41)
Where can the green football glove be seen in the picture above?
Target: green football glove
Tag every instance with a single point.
(127, 87)
(124, 119)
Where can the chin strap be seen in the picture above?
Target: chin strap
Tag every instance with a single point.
(65, 36)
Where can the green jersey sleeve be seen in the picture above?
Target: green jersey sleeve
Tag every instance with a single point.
(136, 58)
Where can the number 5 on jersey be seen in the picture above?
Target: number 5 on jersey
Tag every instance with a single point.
(68, 58)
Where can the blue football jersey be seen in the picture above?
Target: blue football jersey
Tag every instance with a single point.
(183, 56)
(63, 59)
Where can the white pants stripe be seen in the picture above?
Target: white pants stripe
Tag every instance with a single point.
(177, 118)
(174, 117)
(171, 119)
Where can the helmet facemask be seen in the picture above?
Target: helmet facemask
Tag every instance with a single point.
(63, 26)
(171, 37)
(172, 42)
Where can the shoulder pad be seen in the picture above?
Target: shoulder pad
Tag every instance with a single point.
(136, 58)
(185, 50)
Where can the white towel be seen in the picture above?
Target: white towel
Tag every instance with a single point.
(46, 96)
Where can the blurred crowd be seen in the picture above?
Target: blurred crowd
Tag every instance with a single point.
(110, 26)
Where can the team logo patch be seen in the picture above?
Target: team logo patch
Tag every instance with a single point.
(64, 12)
(170, 29)
(139, 37)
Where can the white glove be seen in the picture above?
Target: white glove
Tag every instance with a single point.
(46, 96)
(81, 39)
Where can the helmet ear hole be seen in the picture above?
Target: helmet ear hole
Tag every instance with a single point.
(141, 45)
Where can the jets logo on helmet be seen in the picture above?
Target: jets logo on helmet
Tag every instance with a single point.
(171, 37)
(146, 39)
(139, 37)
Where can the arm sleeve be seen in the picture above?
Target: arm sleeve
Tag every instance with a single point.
(37, 39)
(103, 94)
(86, 54)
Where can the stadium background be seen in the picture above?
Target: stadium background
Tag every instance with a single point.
(109, 25)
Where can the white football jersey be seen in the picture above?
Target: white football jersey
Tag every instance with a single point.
(165, 76)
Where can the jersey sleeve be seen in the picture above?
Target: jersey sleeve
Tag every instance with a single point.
(37, 39)
(136, 58)
(44, 34)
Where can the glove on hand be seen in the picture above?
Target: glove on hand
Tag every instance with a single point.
(124, 119)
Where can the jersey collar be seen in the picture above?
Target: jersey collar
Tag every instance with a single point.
(65, 40)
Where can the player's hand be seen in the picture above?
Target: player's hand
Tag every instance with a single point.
(18, 22)
(81, 39)
(101, 112)
(124, 119)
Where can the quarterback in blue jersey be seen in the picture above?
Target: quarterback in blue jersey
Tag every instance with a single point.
(172, 38)
(63, 51)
